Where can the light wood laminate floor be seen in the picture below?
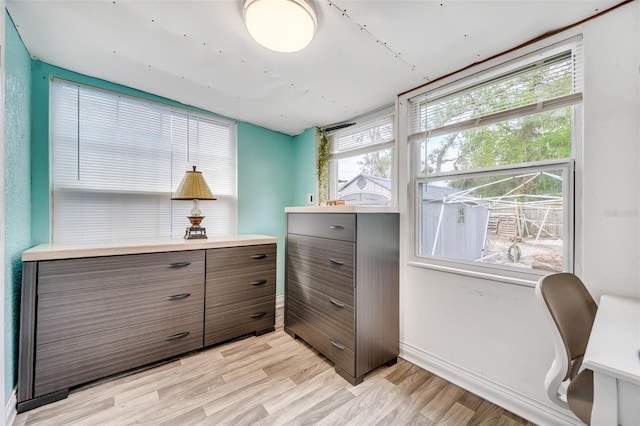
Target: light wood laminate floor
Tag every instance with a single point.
(269, 380)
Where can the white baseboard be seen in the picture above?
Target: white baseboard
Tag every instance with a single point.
(279, 301)
(10, 409)
(509, 399)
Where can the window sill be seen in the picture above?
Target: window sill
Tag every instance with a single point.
(519, 279)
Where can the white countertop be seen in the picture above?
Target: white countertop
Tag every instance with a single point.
(347, 208)
(614, 343)
(52, 251)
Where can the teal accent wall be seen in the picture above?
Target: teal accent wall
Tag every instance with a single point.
(274, 171)
(266, 176)
(304, 159)
(17, 180)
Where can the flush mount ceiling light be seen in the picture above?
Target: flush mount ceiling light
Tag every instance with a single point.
(281, 25)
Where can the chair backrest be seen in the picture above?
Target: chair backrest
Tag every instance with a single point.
(572, 311)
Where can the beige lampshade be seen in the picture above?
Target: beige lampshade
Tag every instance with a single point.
(193, 187)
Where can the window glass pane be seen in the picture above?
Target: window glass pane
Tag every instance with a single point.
(539, 137)
(365, 178)
(514, 219)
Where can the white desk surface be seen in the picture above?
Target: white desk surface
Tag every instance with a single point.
(614, 344)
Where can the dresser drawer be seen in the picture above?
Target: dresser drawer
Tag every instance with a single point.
(66, 363)
(245, 259)
(229, 321)
(337, 226)
(331, 316)
(227, 289)
(331, 347)
(118, 272)
(319, 262)
(98, 301)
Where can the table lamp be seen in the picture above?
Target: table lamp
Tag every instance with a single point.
(194, 187)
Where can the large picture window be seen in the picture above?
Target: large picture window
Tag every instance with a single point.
(362, 161)
(493, 166)
(115, 161)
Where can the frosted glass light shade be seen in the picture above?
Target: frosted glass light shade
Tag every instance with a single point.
(281, 25)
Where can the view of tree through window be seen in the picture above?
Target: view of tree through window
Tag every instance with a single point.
(480, 153)
(376, 164)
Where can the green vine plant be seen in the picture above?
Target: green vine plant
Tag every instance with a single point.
(323, 168)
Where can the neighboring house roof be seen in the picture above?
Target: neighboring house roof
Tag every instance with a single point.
(385, 183)
(380, 181)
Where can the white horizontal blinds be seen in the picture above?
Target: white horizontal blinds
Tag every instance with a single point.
(108, 154)
(210, 145)
(370, 136)
(543, 85)
(116, 161)
(122, 145)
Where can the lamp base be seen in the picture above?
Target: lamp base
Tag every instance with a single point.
(195, 233)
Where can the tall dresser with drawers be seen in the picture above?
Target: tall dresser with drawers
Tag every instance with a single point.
(94, 310)
(341, 287)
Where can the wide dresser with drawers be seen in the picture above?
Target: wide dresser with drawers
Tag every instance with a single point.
(90, 311)
(341, 285)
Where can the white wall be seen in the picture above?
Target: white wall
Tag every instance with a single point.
(491, 337)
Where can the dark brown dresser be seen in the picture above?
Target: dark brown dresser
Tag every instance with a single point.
(91, 311)
(341, 287)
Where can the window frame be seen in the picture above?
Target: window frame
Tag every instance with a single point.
(362, 123)
(465, 79)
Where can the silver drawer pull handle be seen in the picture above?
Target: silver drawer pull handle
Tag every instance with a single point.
(336, 344)
(335, 302)
(259, 282)
(258, 315)
(177, 336)
(259, 256)
(336, 227)
(178, 296)
(336, 261)
(179, 264)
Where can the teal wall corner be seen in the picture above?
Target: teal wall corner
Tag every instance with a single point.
(275, 171)
(265, 185)
(40, 202)
(305, 181)
(17, 178)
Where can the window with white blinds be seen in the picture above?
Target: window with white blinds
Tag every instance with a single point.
(497, 147)
(116, 160)
(362, 159)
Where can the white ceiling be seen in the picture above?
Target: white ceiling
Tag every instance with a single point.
(365, 52)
